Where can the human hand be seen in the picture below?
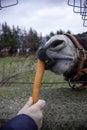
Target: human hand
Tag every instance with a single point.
(34, 111)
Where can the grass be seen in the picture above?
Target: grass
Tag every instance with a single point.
(22, 70)
(15, 68)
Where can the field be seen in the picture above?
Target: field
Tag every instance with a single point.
(21, 70)
(17, 75)
(65, 109)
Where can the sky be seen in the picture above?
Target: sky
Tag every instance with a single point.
(44, 16)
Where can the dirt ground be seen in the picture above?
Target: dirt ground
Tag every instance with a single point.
(66, 109)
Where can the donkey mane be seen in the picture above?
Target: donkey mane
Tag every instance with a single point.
(82, 38)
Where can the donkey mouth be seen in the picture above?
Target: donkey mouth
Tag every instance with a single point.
(51, 61)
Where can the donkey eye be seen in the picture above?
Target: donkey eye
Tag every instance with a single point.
(56, 43)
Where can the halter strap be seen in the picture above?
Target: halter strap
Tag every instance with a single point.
(82, 55)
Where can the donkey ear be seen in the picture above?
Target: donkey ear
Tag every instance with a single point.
(57, 45)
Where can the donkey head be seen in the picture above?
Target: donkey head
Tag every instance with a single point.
(59, 54)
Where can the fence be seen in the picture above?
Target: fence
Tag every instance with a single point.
(21, 70)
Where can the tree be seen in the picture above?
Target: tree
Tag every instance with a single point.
(60, 32)
(16, 38)
(51, 34)
(33, 39)
(69, 31)
(8, 37)
(47, 37)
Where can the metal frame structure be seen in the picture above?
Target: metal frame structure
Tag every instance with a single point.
(9, 5)
(80, 6)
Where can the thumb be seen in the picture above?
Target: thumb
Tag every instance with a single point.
(40, 104)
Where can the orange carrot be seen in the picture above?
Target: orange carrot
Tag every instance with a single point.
(38, 78)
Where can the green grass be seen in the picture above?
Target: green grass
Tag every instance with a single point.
(17, 75)
(22, 70)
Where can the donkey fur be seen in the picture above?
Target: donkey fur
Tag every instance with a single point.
(60, 55)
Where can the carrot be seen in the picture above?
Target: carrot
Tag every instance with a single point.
(38, 78)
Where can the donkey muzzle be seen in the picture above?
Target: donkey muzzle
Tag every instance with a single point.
(49, 63)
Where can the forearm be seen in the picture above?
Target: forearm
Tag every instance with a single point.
(20, 122)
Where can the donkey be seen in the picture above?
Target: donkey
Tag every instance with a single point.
(66, 54)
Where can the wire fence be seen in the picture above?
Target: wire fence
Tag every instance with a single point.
(20, 70)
